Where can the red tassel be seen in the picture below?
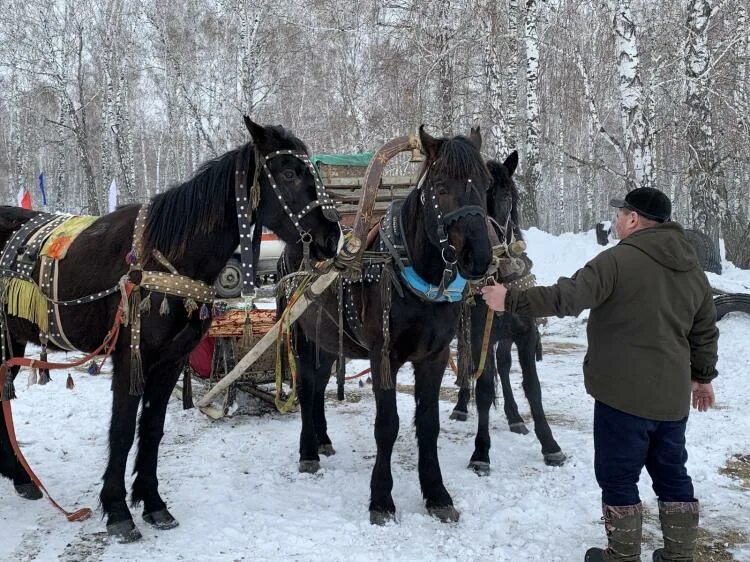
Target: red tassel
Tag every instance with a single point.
(69, 384)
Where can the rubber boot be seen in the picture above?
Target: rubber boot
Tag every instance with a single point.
(679, 525)
(623, 526)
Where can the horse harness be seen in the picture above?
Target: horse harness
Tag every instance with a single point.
(393, 249)
(36, 299)
(511, 265)
(250, 243)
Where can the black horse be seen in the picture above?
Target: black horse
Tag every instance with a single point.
(502, 206)
(441, 225)
(195, 227)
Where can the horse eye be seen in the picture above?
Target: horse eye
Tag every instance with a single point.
(442, 191)
(289, 175)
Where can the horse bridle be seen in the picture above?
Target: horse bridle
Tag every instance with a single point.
(250, 244)
(447, 250)
(322, 200)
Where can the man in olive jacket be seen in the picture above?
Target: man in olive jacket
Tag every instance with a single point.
(652, 340)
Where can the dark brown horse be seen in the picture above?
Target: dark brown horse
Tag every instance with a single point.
(195, 226)
(439, 231)
(502, 207)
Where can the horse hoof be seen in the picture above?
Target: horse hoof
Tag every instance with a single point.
(124, 531)
(28, 491)
(555, 459)
(458, 415)
(446, 513)
(161, 519)
(381, 517)
(518, 427)
(326, 450)
(480, 468)
(310, 467)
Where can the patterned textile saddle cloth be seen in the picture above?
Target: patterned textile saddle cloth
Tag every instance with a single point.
(44, 239)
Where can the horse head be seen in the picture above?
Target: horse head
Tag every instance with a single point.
(293, 202)
(502, 198)
(453, 185)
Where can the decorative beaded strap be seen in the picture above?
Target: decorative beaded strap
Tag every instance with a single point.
(11, 259)
(177, 285)
(48, 282)
(323, 200)
(250, 243)
(245, 210)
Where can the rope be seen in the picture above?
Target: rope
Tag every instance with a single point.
(362, 373)
(79, 514)
(109, 343)
(285, 338)
(485, 343)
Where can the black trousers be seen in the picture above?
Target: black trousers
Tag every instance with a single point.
(624, 444)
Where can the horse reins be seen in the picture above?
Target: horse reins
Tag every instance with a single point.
(108, 346)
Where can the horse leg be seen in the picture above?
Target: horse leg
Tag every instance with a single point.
(309, 459)
(428, 374)
(504, 360)
(485, 397)
(121, 434)
(160, 381)
(526, 342)
(461, 409)
(9, 464)
(322, 376)
(382, 508)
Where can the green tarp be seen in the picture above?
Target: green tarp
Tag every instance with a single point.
(361, 159)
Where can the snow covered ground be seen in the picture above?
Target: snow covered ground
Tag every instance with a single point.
(234, 485)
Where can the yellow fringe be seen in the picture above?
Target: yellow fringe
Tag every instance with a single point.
(25, 300)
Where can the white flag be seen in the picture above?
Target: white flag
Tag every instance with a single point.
(20, 195)
(112, 200)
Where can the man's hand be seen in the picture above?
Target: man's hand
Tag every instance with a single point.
(494, 296)
(703, 396)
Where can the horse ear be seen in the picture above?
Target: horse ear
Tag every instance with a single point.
(475, 136)
(511, 162)
(257, 132)
(430, 145)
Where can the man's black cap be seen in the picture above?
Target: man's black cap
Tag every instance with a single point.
(647, 202)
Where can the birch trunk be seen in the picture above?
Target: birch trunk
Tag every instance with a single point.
(635, 124)
(702, 180)
(445, 68)
(529, 186)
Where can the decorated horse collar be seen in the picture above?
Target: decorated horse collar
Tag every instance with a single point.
(392, 241)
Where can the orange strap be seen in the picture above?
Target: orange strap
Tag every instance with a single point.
(110, 340)
(78, 515)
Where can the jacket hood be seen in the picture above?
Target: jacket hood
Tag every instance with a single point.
(666, 244)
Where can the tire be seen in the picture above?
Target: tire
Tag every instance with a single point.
(708, 252)
(731, 302)
(229, 283)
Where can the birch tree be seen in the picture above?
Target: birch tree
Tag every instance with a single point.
(702, 179)
(635, 125)
(528, 187)
(501, 77)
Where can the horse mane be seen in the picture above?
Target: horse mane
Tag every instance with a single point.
(197, 206)
(458, 157)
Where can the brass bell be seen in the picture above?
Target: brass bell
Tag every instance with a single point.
(517, 248)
